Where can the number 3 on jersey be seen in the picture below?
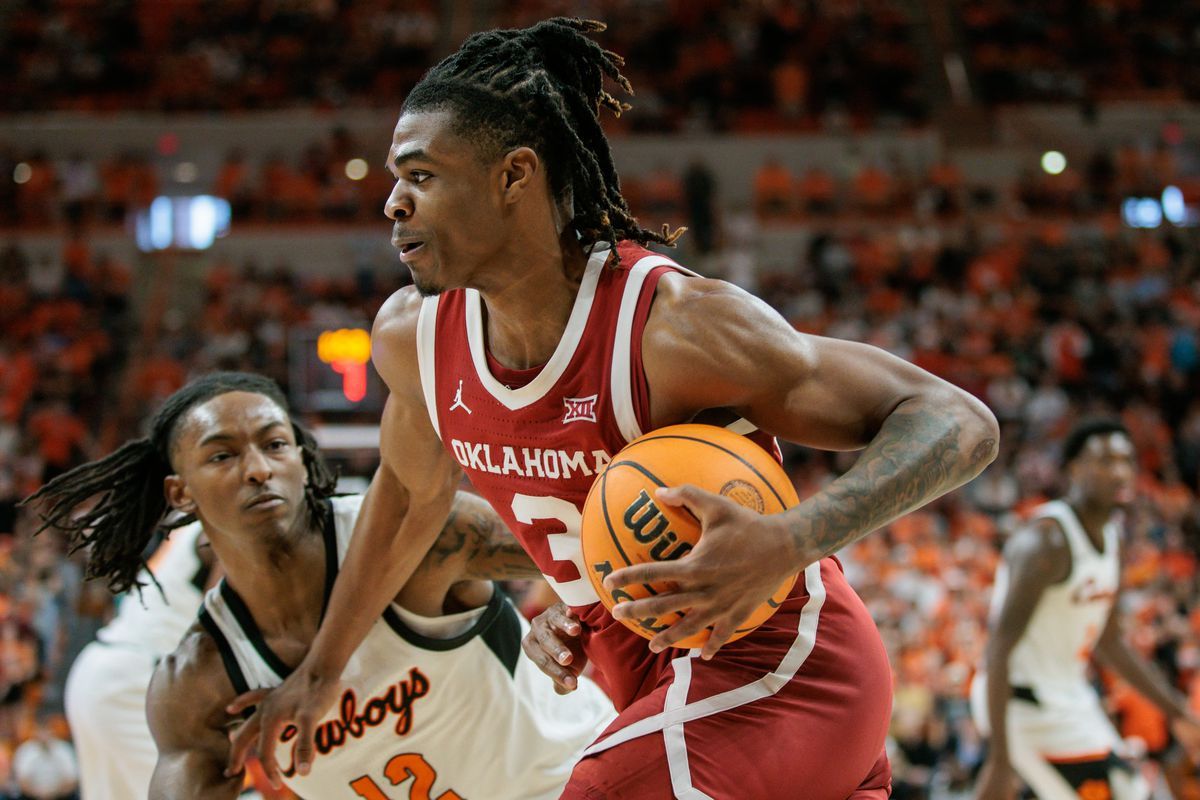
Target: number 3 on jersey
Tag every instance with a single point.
(398, 770)
(563, 546)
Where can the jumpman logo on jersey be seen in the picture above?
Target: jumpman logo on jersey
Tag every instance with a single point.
(458, 401)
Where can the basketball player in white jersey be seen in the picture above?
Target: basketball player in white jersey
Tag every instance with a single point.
(434, 700)
(1053, 609)
(106, 687)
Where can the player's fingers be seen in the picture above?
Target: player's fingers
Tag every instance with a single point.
(304, 743)
(701, 503)
(246, 700)
(268, 735)
(549, 660)
(657, 606)
(563, 677)
(721, 631)
(690, 625)
(561, 617)
(679, 571)
(243, 738)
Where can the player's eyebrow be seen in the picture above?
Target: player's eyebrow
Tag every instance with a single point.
(418, 154)
(225, 436)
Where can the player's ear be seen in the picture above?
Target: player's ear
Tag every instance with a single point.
(521, 165)
(178, 496)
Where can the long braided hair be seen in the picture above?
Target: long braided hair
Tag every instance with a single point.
(128, 485)
(543, 87)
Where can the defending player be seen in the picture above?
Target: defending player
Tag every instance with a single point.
(435, 697)
(540, 337)
(106, 687)
(1052, 610)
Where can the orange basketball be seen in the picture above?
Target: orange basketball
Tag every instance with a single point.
(623, 524)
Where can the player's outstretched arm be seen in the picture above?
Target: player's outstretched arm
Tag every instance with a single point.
(404, 509)
(707, 345)
(1115, 653)
(184, 706)
(1036, 558)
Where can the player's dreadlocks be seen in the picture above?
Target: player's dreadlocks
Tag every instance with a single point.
(543, 87)
(129, 484)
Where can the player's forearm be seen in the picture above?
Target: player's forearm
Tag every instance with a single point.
(477, 539)
(925, 448)
(1143, 676)
(998, 694)
(393, 533)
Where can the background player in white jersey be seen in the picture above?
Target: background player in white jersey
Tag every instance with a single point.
(435, 695)
(106, 687)
(1053, 608)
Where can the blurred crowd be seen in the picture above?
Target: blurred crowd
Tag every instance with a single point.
(1038, 50)
(746, 65)
(761, 66)
(1033, 294)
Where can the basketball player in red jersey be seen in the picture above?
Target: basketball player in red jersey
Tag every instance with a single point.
(530, 351)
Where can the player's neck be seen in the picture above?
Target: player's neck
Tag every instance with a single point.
(263, 570)
(528, 301)
(1092, 516)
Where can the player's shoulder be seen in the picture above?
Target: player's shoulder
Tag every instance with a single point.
(399, 314)
(394, 338)
(1040, 544)
(712, 319)
(189, 689)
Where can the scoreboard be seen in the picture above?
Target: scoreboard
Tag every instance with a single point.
(330, 370)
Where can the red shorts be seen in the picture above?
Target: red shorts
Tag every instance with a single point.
(797, 709)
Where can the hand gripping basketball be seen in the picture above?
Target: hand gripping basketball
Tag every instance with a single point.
(706, 566)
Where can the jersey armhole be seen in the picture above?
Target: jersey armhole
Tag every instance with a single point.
(625, 371)
(1062, 529)
(426, 337)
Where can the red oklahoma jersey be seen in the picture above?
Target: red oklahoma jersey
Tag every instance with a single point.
(532, 442)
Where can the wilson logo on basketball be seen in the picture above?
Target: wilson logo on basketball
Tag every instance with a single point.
(647, 524)
(580, 409)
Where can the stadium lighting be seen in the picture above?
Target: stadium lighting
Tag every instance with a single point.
(356, 169)
(1053, 162)
(1173, 206)
(22, 172)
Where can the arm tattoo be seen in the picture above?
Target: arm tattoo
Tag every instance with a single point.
(486, 549)
(913, 459)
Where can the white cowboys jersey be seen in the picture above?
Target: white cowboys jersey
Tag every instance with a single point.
(460, 715)
(1052, 656)
(156, 621)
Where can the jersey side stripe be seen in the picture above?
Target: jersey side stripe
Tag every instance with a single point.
(769, 684)
(426, 336)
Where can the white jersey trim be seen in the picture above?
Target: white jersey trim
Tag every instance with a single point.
(766, 686)
(426, 337)
(673, 736)
(622, 377)
(535, 390)
(742, 426)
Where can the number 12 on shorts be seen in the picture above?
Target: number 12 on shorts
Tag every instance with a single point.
(399, 770)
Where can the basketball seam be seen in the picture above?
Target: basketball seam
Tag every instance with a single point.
(726, 450)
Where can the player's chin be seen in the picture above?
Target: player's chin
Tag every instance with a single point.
(425, 286)
(1124, 496)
